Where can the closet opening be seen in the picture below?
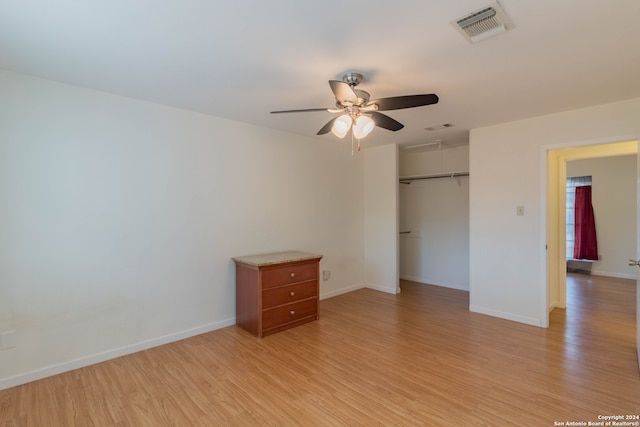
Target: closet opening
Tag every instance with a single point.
(434, 215)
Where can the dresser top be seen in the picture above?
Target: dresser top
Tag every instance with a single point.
(275, 258)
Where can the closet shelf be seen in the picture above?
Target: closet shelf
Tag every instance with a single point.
(408, 179)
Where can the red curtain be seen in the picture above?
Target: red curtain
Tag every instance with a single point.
(585, 245)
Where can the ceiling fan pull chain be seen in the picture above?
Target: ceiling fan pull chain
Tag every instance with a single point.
(352, 151)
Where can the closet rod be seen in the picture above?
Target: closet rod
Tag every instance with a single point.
(408, 179)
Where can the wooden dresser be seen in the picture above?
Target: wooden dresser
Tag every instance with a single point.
(276, 291)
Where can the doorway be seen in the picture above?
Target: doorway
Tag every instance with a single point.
(556, 209)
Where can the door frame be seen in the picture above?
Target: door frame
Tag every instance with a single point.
(555, 158)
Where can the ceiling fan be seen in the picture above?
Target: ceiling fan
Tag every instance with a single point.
(359, 113)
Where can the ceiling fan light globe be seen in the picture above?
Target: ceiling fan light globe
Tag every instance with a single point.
(341, 126)
(338, 133)
(363, 127)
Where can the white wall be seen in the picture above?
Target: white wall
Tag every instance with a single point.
(613, 181)
(508, 165)
(119, 219)
(415, 162)
(436, 212)
(637, 258)
(381, 218)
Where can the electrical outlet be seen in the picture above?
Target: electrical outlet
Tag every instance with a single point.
(520, 210)
(326, 274)
(7, 340)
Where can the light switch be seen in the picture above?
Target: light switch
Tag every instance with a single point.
(520, 210)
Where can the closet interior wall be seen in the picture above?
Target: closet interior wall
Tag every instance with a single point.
(434, 217)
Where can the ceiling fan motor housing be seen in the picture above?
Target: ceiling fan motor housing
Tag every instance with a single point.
(352, 79)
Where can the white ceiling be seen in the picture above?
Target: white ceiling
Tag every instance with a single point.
(242, 59)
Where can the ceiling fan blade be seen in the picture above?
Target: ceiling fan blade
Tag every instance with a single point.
(386, 122)
(408, 101)
(300, 111)
(327, 128)
(343, 92)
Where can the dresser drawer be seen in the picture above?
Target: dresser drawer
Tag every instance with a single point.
(289, 274)
(290, 293)
(288, 313)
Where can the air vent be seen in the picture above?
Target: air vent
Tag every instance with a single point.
(483, 23)
(439, 127)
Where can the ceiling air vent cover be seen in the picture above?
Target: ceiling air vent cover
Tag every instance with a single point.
(483, 23)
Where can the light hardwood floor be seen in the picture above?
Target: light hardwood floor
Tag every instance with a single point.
(418, 358)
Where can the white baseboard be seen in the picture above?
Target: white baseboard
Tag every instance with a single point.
(331, 294)
(613, 274)
(59, 368)
(435, 283)
(508, 316)
(341, 291)
(382, 289)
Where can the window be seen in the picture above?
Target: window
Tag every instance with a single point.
(572, 183)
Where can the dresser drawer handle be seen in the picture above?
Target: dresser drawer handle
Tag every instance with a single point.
(292, 312)
(292, 293)
(293, 274)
